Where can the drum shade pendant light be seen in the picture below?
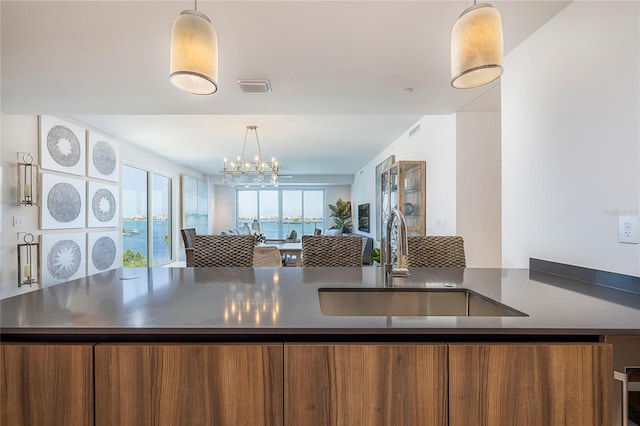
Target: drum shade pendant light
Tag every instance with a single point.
(476, 47)
(194, 53)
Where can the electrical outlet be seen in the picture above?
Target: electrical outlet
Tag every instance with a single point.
(18, 221)
(628, 229)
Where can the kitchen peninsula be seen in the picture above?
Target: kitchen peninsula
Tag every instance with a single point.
(252, 346)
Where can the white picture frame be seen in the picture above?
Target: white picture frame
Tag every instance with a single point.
(103, 208)
(62, 146)
(104, 251)
(63, 202)
(63, 257)
(103, 157)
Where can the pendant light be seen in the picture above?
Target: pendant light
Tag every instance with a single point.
(240, 172)
(194, 53)
(476, 47)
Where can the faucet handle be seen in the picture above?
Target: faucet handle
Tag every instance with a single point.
(400, 272)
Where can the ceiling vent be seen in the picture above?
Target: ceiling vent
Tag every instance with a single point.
(414, 130)
(255, 86)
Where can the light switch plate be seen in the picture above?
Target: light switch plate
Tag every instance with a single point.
(628, 229)
(18, 221)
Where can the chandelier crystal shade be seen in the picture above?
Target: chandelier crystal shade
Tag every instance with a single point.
(476, 47)
(194, 53)
(257, 172)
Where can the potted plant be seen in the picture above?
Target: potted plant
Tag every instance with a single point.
(341, 214)
(375, 256)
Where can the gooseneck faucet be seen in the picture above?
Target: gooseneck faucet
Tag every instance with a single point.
(402, 244)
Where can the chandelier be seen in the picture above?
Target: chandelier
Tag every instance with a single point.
(258, 172)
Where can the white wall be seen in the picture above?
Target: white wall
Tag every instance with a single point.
(363, 191)
(570, 139)
(478, 200)
(20, 133)
(225, 203)
(434, 143)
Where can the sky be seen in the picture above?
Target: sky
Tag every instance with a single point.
(134, 192)
(248, 201)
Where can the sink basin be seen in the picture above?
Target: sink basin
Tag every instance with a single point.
(410, 302)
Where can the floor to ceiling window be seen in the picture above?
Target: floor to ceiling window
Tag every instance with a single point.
(145, 195)
(280, 211)
(161, 215)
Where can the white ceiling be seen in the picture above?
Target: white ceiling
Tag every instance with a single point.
(338, 71)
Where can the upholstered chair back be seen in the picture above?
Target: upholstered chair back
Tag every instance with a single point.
(188, 237)
(267, 256)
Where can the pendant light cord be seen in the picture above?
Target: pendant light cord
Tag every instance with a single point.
(244, 146)
(197, 4)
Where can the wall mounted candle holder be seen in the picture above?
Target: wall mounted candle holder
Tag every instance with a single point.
(27, 180)
(28, 259)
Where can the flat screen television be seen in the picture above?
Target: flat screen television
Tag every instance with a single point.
(363, 217)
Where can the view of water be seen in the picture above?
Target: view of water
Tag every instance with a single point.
(135, 238)
(270, 229)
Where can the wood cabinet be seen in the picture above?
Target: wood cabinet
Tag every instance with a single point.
(311, 384)
(403, 187)
(530, 384)
(626, 359)
(44, 384)
(188, 384)
(365, 384)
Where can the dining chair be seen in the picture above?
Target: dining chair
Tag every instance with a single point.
(331, 250)
(267, 256)
(436, 251)
(188, 237)
(222, 250)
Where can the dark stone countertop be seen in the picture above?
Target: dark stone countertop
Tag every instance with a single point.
(281, 303)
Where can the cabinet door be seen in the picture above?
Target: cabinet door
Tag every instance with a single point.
(368, 384)
(412, 195)
(626, 359)
(206, 384)
(43, 384)
(530, 384)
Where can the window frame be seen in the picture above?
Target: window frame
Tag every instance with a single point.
(149, 213)
(150, 175)
(280, 205)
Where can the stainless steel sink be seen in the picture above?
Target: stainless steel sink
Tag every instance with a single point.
(410, 302)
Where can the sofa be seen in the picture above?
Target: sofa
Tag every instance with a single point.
(235, 231)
